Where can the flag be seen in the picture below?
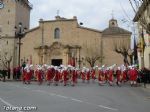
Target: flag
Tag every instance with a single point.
(73, 62)
(142, 42)
(135, 51)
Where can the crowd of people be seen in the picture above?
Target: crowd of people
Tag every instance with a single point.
(69, 75)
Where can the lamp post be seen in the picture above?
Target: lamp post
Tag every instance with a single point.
(19, 34)
(79, 57)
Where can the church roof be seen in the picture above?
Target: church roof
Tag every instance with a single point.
(30, 30)
(62, 19)
(90, 29)
(114, 31)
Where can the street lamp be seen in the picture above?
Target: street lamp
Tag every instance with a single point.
(79, 61)
(19, 34)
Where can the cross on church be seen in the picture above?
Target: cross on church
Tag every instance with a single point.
(58, 12)
(112, 14)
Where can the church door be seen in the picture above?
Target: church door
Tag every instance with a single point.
(56, 62)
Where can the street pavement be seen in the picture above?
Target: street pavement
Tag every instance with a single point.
(81, 98)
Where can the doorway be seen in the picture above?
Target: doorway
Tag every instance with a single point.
(56, 62)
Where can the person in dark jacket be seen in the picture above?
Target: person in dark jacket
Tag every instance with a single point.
(4, 74)
(14, 73)
(145, 75)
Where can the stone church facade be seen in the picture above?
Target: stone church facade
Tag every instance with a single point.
(65, 41)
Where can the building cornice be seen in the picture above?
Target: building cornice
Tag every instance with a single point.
(59, 20)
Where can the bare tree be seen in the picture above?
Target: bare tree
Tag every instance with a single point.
(92, 60)
(93, 56)
(122, 47)
(5, 60)
(5, 55)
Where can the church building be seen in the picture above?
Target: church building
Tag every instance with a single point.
(65, 41)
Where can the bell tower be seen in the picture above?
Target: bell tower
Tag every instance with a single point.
(12, 12)
(113, 23)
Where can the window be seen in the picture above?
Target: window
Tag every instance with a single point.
(57, 33)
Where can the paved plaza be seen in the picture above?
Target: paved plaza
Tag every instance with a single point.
(81, 98)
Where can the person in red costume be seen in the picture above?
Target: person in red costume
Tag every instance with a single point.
(56, 77)
(74, 77)
(133, 76)
(65, 76)
(93, 74)
(124, 75)
(88, 75)
(77, 74)
(38, 74)
(49, 75)
(110, 76)
(61, 75)
(118, 76)
(106, 72)
(101, 76)
(24, 75)
(28, 73)
(83, 74)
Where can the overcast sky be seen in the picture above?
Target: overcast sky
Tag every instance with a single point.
(93, 13)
